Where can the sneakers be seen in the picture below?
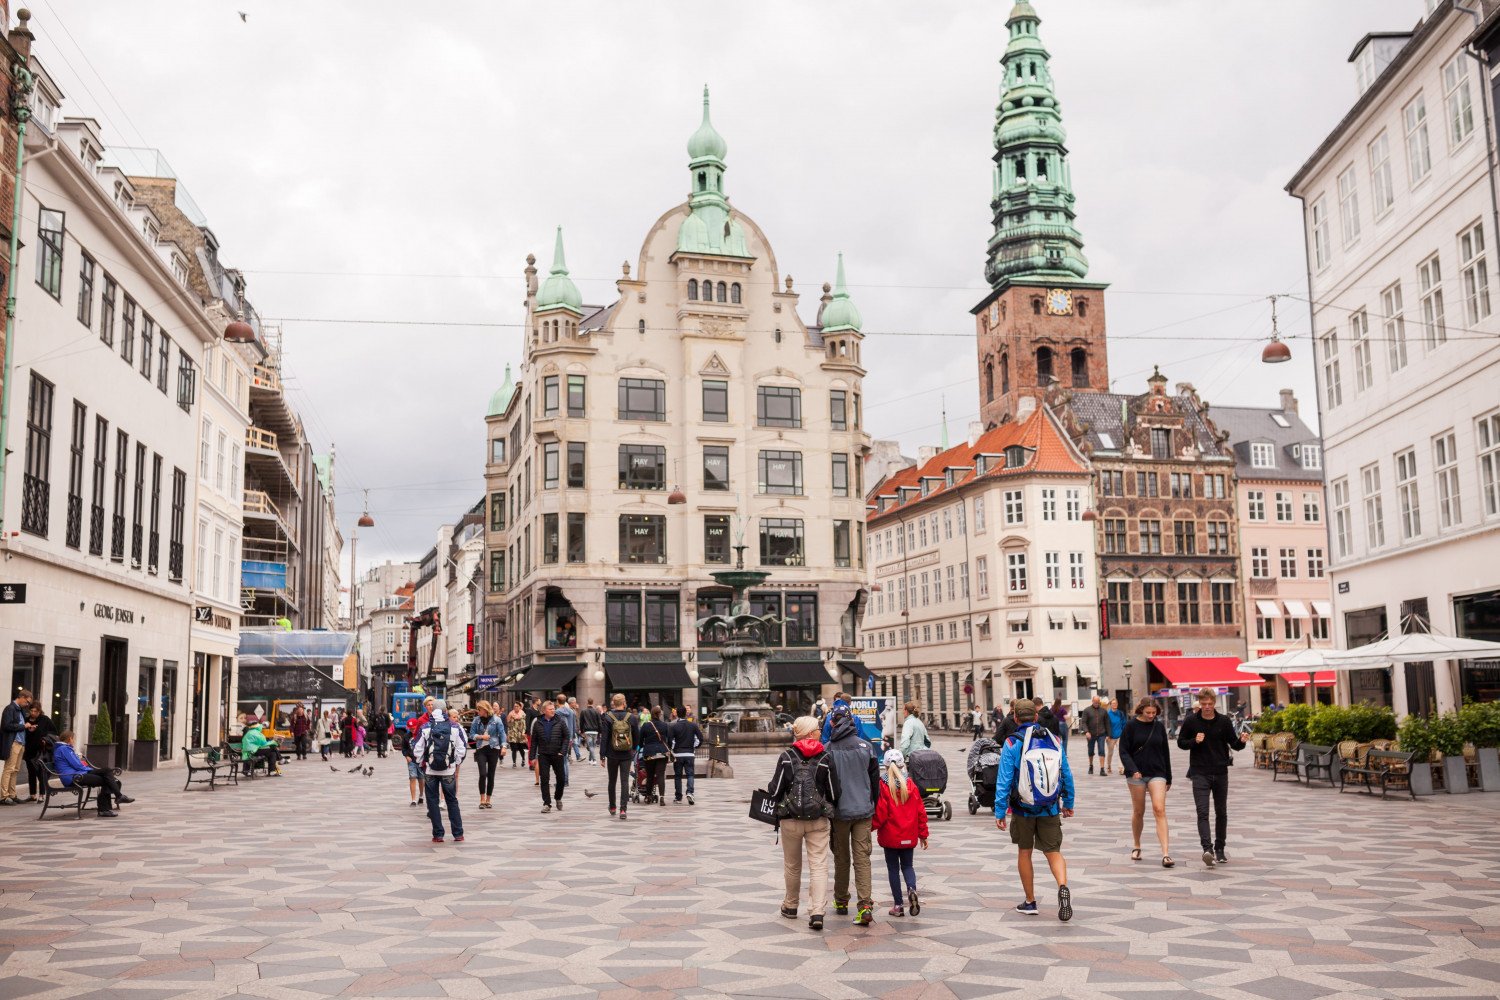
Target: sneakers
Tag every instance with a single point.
(126, 799)
(913, 903)
(865, 918)
(611, 810)
(1028, 908)
(690, 798)
(107, 814)
(896, 911)
(437, 840)
(413, 803)
(1208, 858)
(1064, 903)
(559, 805)
(1219, 856)
(546, 808)
(459, 839)
(1091, 769)
(622, 814)
(842, 909)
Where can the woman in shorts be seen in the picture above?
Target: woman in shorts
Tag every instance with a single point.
(1146, 755)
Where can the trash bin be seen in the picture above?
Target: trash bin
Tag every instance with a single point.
(718, 741)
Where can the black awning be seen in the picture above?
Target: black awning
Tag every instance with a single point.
(797, 674)
(549, 677)
(857, 668)
(663, 675)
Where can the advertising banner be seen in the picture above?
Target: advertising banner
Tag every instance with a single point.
(867, 712)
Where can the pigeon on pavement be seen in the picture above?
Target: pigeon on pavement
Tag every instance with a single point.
(356, 767)
(588, 794)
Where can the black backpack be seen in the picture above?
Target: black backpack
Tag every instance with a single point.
(439, 746)
(802, 798)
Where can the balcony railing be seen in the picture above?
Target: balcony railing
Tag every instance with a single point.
(260, 502)
(96, 530)
(75, 520)
(265, 377)
(256, 437)
(117, 537)
(35, 505)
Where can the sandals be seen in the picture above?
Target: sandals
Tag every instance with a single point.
(1167, 862)
(1135, 854)
(790, 912)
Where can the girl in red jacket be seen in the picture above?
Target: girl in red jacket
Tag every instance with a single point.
(901, 823)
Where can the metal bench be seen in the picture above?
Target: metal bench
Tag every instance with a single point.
(211, 761)
(1386, 768)
(52, 784)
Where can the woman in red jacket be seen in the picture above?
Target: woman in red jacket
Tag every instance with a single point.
(901, 824)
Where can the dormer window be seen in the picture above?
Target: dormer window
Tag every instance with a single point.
(1311, 456)
(1015, 456)
(985, 462)
(1161, 442)
(1262, 455)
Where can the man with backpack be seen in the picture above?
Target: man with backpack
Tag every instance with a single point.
(686, 737)
(1035, 787)
(620, 734)
(805, 788)
(550, 740)
(440, 747)
(857, 767)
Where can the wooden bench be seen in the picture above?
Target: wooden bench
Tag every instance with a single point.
(212, 761)
(1385, 768)
(52, 784)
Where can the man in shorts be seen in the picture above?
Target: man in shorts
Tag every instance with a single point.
(1034, 827)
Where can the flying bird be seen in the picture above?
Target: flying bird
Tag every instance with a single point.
(243, 16)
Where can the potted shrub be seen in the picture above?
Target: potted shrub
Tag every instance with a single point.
(1294, 719)
(1416, 739)
(1329, 726)
(1448, 739)
(1481, 724)
(1268, 722)
(101, 745)
(143, 751)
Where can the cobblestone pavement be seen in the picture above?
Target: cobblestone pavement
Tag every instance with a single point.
(325, 884)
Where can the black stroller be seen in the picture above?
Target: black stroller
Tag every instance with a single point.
(930, 772)
(983, 767)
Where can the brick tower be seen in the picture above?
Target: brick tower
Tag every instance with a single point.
(1042, 319)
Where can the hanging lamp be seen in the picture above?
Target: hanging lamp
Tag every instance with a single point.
(1276, 352)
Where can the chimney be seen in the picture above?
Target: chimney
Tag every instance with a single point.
(976, 431)
(1288, 401)
(1024, 407)
(925, 454)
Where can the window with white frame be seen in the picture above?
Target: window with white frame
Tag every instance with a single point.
(952, 588)
(205, 450)
(1474, 273)
(1322, 251)
(1333, 380)
(1348, 206)
(1369, 479)
(1445, 466)
(979, 515)
(1288, 564)
(926, 590)
(1406, 494)
(1052, 566)
(1075, 570)
(1262, 455)
(1312, 508)
(1260, 563)
(982, 576)
(1311, 456)
(961, 510)
(1074, 501)
(1049, 505)
(1343, 518)
(1265, 629)
(1394, 326)
(1430, 283)
(1293, 627)
(1283, 507)
(1488, 436)
(1015, 573)
(1458, 104)
(1319, 628)
(1020, 625)
(1364, 365)
(1382, 190)
(1015, 509)
(1418, 148)
(1316, 564)
(963, 580)
(1255, 509)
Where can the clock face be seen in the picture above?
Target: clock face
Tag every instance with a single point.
(1059, 302)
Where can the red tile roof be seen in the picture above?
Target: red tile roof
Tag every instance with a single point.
(1048, 452)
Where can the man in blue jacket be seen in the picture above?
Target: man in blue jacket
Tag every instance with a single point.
(839, 699)
(1033, 827)
(74, 770)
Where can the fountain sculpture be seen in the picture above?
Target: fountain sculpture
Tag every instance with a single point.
(741, 637)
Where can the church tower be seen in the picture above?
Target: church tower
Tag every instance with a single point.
(1042, 319)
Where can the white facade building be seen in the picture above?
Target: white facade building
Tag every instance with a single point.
(1400, 225)
(984, 577)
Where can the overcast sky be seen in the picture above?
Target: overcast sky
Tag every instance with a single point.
(369, 160)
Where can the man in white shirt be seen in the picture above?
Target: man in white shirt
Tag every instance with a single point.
(439, 750)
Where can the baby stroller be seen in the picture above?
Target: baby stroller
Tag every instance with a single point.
(930, 772)
(641, 789)
(983, 767)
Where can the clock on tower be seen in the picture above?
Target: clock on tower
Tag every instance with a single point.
(1060, 302)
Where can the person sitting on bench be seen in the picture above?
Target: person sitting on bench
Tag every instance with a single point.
(75, 770)
(254, 746)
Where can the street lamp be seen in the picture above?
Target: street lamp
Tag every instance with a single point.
(1129, 691)
(1276, 352)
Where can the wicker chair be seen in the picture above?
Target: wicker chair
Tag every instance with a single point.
(1261, 754)
(1383, 745)
(1283, 747)
(1352, 755)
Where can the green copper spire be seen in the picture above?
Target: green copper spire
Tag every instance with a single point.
(558, 291)
(711, 228)
(840, 313)
(1035, 240)
(501, 399)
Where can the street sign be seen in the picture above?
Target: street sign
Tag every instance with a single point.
(12, 593)
(487, 681)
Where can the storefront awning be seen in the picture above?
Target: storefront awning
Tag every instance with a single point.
(1324, 609)
(1204, 671)
(798, 673)
(549, 677)
(1267, 609)
(662, 675)
(1322, 679)
(857, 668)
(1295, 609)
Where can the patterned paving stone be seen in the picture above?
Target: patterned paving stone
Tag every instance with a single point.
(338, 893)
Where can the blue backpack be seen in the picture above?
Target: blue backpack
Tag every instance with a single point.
(439, 750)
(1039, 774)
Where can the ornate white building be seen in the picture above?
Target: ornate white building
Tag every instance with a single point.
(648, 437)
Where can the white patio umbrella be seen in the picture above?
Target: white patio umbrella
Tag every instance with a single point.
(1414, 647)
(1293, 661)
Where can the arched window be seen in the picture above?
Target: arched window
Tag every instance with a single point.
(1043, 365)
(702, 180)
(1036, 307)
(692, 289)
(640, 326)
(778, 335)
(723, 292)
(734, 293)
(989, 382)
(1041, 168)
(1080, 364)
(1005, 373)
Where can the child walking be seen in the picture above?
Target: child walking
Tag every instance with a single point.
(359, 739)
(900, 824)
